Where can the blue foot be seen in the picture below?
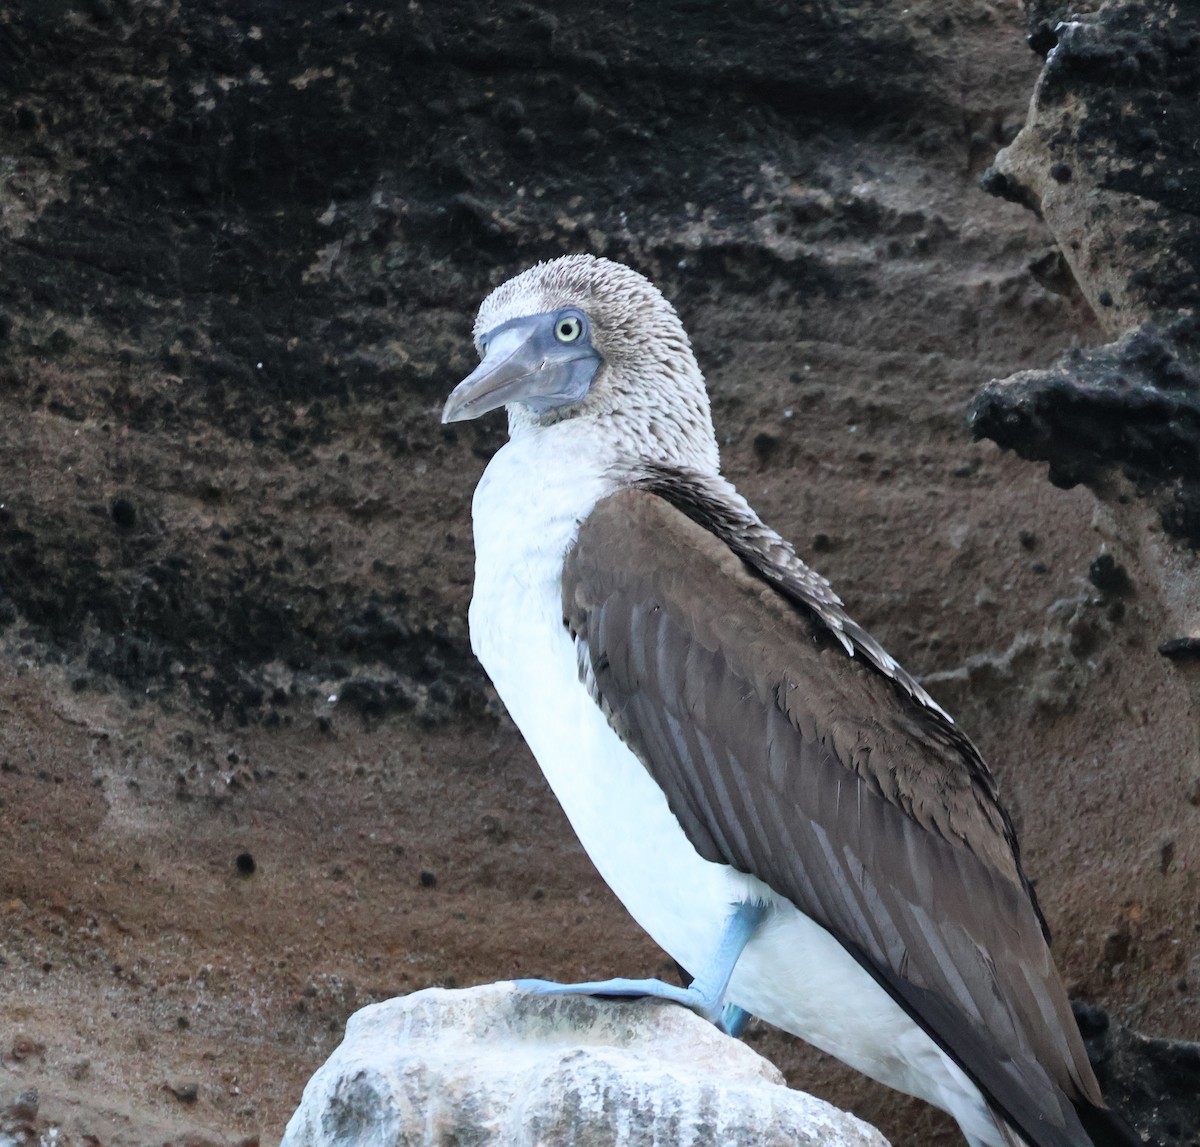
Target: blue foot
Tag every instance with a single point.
(658, 989)
(705, 996)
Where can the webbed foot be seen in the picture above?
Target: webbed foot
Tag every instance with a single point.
(706, 994)
(711, 1009)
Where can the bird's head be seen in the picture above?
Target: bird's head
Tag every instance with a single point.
(581, 337)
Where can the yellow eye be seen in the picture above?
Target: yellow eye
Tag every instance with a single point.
(568, 329)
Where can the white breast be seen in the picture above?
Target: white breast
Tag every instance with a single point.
(527, 510)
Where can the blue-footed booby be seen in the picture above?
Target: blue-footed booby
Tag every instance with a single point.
(780, 805)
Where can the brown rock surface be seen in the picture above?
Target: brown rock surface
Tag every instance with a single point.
(252, 778)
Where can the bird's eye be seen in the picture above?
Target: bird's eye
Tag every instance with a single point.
(568, 329)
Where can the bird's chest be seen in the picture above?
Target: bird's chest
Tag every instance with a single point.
(527, 510)
(523, 530)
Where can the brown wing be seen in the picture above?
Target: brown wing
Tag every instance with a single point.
(820, 774)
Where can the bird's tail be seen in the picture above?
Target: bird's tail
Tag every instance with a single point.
(1104, 1127)
(1108, 1128)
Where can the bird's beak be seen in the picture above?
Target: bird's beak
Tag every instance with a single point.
(523, 364)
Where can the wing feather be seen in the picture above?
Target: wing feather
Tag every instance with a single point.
(830, 779)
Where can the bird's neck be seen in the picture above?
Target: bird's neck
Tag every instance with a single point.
(527, 510)
(533, 495)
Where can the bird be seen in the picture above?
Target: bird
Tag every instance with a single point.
(773, 797)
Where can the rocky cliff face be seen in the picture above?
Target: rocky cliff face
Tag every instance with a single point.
(252, 777)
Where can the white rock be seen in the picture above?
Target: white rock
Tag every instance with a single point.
(492, 1065)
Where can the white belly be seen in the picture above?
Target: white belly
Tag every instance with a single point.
(792, 973)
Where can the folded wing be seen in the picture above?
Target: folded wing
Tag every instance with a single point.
(830, 776)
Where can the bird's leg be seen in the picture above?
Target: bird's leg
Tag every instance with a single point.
(705, 995)
(734, 1020)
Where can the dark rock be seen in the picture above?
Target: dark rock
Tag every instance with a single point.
(1153, 1083)
(184, 1092)
(585, 106)
(59, 342)
(1182, 649)
(245, 864)
(24, 1108)
(124, 513)
(494, 827)
(376, 697)
(1054, 273)
(1042, 38)
(1107, 576)
(1084, 156)
(998, 183)
(765, 445)
(509, 112)
(1132, 407)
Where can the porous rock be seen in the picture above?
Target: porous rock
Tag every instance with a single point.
(493, 1065)
(1104, 158)
(1155, 1083)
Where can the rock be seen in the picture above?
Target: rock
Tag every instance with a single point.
(187, 1092)
(1131, 408)
(1103, 158)
(26, 1106)
(491, 1065)
(18, 1119)
(1154, 1082)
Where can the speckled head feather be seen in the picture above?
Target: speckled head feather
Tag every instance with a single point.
(649, 388)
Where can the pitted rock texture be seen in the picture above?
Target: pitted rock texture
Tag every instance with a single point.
(1106, 157)
(1132, 407)
(1154, 1082)
(500, 1068)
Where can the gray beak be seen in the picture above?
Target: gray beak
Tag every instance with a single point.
(524, 363)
